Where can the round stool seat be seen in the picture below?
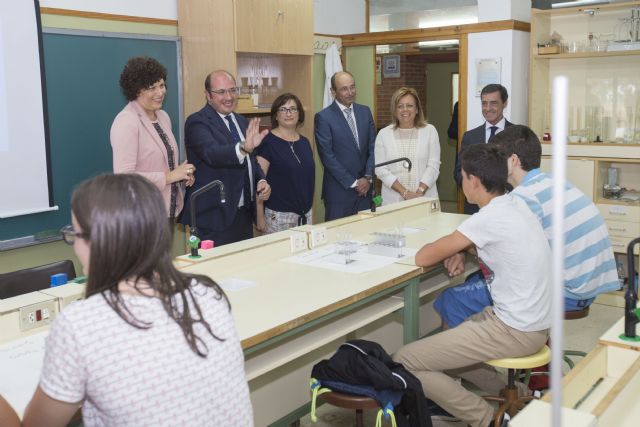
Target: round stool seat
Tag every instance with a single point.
(541, 358)
(576, 314)
(349, 401)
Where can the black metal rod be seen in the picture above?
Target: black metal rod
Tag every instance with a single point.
(373, 178)
(631, 295)
(196, 194)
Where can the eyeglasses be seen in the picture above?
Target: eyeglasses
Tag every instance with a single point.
(405, 106)
(285, 110)
(69, 235)
(233, 91)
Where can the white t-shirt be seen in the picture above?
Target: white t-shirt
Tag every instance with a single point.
(147, 377)
(515, 258)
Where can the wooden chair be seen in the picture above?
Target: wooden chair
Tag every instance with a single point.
(508, 398)
(33, 279)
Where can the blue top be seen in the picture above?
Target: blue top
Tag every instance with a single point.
(291, 173)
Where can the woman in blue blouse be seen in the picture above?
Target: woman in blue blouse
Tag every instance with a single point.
(287, 160)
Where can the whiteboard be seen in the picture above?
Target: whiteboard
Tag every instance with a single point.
(24, 166)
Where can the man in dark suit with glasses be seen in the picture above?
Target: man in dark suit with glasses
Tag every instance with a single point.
(220, 144)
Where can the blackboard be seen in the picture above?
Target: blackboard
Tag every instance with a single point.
(82, 71)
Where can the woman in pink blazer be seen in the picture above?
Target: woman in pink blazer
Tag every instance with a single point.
(141, 135)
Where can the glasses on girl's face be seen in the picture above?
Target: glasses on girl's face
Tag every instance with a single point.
(285, 110)
(69, 235)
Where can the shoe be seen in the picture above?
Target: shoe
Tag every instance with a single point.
(439, 413)
(503, 423)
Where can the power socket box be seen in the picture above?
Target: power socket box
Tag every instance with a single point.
(318, 236)
(66, 294)
(18, 315)
(299, 242)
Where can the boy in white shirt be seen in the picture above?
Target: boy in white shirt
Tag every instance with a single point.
(515, 260)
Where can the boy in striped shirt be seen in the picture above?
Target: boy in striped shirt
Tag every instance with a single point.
(590, 267)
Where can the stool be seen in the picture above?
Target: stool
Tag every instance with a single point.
(573, 315)
(508, 399)
(350, 401)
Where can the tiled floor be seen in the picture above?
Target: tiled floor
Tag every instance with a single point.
(581, 334)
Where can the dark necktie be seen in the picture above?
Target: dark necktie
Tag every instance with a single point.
(246, 186)
(493, 132)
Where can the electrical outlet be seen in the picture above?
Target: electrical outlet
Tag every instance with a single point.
(298, 242)
(318, 236)
(35, 315)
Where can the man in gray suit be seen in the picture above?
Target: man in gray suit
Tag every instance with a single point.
(494, 98)
(345, 136)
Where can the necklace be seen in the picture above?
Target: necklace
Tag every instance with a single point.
(281, 136)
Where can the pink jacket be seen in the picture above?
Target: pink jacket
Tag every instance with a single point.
(137, 147)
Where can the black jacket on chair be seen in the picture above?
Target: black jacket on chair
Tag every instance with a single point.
(362, 362)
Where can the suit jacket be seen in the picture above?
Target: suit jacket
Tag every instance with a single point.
(137, 148)
(471, 137)
(211, 149)
(343, 160)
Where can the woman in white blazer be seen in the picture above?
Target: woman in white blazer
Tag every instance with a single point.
(409, 136)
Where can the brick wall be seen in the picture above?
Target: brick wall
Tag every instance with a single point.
(412, 74)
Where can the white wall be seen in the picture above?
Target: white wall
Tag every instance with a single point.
(513, 49)
(339, 16)
(499, 10)
(161, 9)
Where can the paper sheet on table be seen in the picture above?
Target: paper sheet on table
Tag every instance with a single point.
(363, 261)
(234, 284)
(20, 366)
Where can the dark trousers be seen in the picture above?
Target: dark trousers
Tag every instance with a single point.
(240, 229)
(340, 210)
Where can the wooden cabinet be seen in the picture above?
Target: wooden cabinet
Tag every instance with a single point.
(621, 210)
(267, 44)
(604, 104)
(580, 172)
(274, 26)
(602, 66)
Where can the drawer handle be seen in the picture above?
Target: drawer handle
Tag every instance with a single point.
(617, 213)
(617, 229)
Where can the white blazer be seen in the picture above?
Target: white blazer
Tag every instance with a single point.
(426, 163)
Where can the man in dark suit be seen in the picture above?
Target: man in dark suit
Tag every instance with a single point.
(494, 98)
(345, 136)
(217, 147)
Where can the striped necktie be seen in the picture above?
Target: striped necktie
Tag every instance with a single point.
(352, 125)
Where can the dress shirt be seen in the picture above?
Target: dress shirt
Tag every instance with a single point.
(239, 153)
(487, 128)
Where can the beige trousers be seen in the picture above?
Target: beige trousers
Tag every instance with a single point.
(460, 351)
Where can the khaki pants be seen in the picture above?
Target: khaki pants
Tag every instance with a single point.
(460, 351)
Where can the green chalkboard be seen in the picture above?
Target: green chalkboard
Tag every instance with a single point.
(82, 71)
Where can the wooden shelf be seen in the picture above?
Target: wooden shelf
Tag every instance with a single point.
(253, 110)
(587, 54)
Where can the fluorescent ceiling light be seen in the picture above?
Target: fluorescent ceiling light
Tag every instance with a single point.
(577, 3)
(434, 43)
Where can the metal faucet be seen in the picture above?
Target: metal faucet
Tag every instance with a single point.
(373, 178)
(194, 240)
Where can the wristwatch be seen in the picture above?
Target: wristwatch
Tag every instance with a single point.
(369, 178)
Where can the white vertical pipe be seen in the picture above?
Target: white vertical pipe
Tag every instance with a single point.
(559, 137)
